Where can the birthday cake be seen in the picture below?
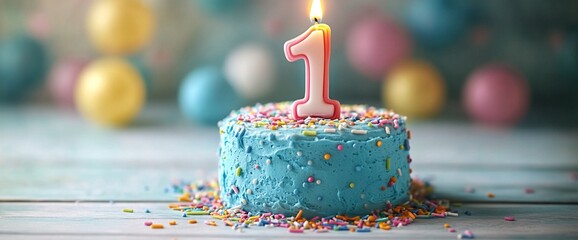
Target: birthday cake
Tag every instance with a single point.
(270, 162)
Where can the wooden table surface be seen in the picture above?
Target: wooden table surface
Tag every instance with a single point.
(63, 178)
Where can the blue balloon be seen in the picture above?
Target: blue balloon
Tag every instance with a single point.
(23, 65)
(206, 97)
(218, 6)
(435, 23)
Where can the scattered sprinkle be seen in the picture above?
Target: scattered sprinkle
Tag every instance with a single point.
(490, 195)
(238, 171)
(128, 210)
(327, 156)
(510, 218)
(157, 226)
(351, 185)
(193, 221)
(173, 222)
(148, 223)
(529, 190)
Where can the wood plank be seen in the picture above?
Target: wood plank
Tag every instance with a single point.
(103, 220)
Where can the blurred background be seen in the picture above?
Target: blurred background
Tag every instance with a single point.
(498, 63)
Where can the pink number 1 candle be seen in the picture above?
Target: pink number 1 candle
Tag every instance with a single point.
(314, 47)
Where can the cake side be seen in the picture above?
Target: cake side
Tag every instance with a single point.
(353, 165)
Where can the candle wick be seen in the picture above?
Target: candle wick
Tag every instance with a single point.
(316, 20)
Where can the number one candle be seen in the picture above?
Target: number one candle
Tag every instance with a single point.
(314, 47)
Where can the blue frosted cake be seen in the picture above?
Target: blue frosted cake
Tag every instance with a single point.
(354, 165)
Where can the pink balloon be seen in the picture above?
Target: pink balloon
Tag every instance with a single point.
(375, 44)
(496, 95)
(63, 79)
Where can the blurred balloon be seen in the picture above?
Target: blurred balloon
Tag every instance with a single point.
(120, 27)
(218, 6)
(145, 73)
(250, 69)
(206, 97)
(110, 91)
(415, 89)
(496, 95)
(23, 65)
(63, 78)
(376, 44)
(436, 23)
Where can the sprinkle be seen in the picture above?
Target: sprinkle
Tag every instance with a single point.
(451, 230)
(363, 230)
(358, 168)
(318, 181)
(184, 214)
(193, 221)
(387, 164)
(310, 133)
(234, 188)
(399, 172)
(295, 230)
(157, 226)
(128, 210)
(254, 181)
(330, 130)
(491, 195)
(173, 222)
(249, 191)
(351, 185)
(147, 211)
(299, 153)
(309, 162)
(408, 134)
(289, 167)
(510, 218)
(447, 225)
(387, 130)
(148, 223)
(211, 223)
(310, 179)
(238, 171)
(197, 213)
(327, 156)
(339, 147)
(359, 131)
(529, 190)
(400, 147)
(378, 143)
(268, 162)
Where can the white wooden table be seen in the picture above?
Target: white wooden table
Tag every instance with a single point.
(63, 178)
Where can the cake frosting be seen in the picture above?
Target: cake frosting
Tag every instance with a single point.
(354, 165)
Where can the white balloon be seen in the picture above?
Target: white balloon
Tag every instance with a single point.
(250, 69)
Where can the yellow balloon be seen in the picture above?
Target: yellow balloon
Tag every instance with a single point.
(110, 91)
(415, 89)
(120, 26)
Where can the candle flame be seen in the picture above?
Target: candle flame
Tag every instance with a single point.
(316, 12)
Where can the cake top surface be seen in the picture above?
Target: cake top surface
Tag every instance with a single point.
(357, 120)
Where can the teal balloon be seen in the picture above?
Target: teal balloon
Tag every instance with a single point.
(206, 97)
(436, 23)
(219, 6)
(23, 66)
(145, 73)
